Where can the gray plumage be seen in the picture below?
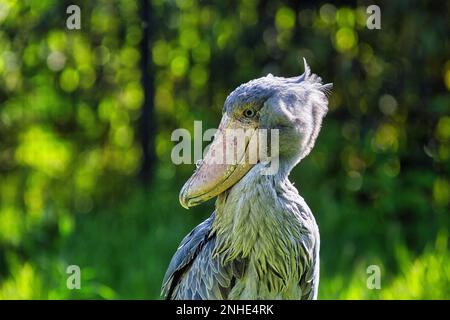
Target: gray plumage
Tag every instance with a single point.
(262, 241)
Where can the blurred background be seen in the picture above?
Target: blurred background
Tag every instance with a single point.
(86, 117)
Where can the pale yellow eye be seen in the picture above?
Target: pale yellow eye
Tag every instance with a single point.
(249, 113)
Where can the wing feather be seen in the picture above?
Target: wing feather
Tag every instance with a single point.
(185, 254)
(194, 274)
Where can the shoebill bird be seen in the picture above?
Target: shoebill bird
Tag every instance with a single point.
(262, 241)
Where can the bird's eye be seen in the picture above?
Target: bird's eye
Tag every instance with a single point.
(249, 113)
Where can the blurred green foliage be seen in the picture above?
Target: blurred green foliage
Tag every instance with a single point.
(377, 181)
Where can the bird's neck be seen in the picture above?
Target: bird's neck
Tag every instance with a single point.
(258, 215)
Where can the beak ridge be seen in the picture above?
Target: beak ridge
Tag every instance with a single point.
(213, 177)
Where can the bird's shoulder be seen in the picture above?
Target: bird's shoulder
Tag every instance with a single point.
(186, 252)
(195, 272)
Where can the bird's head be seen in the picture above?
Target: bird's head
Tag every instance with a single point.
(294, 106)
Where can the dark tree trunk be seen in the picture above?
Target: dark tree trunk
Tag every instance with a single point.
(147, 125)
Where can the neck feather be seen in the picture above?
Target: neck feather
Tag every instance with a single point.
(262, 215)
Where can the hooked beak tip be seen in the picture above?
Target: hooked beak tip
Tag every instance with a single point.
(183, 201)
(184, 204)
(183, 198)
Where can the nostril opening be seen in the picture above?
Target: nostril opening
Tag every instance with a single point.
(198, 163)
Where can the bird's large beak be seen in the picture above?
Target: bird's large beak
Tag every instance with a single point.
(229, 157)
